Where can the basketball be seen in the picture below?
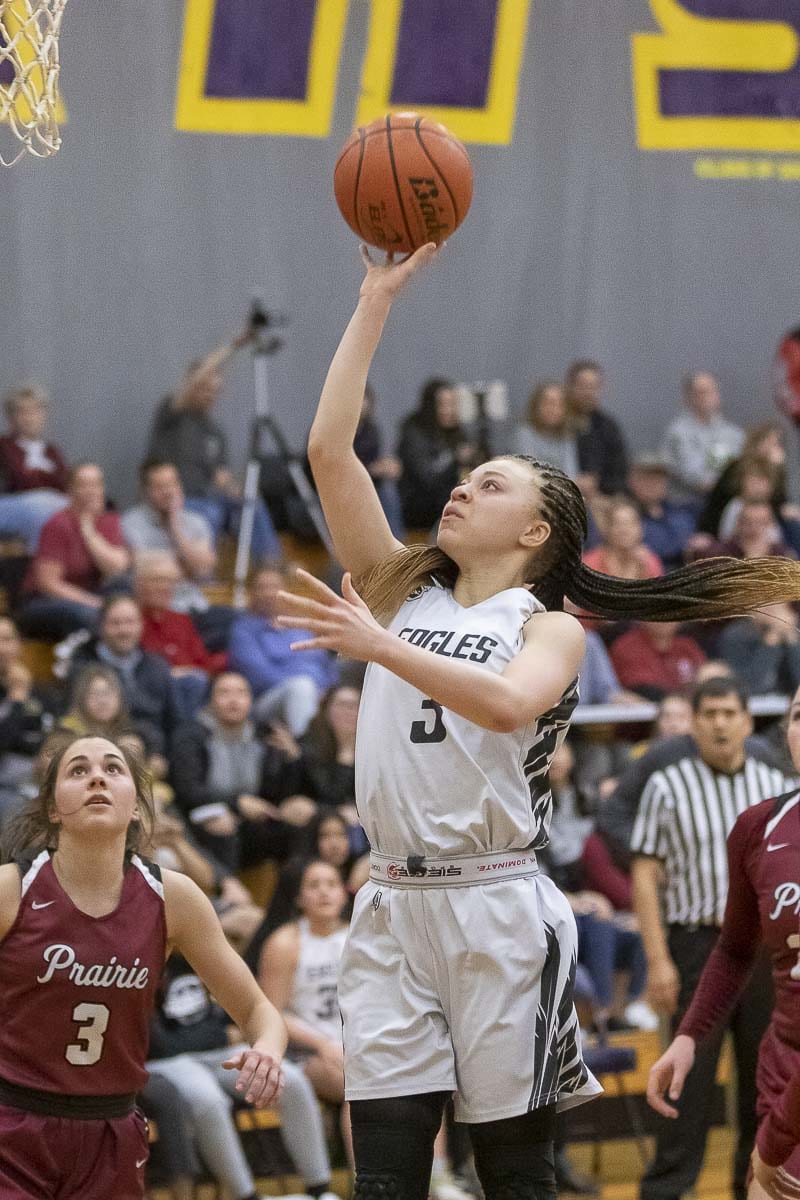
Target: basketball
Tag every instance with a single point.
(402, 181)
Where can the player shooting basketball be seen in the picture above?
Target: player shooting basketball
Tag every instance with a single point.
(458, 972)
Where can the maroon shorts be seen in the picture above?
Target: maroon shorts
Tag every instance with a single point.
(68, 1158)
(777, 1064)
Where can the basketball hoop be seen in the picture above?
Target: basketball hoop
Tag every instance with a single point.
(29, 66)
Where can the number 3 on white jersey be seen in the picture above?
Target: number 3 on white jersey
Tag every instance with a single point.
(93, 1021)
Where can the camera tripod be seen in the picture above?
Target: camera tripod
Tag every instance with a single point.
(265, 431)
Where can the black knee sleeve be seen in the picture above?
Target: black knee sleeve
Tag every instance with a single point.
(393, 1145)
(514, 1157)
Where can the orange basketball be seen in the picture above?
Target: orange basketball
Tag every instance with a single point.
(403, 181)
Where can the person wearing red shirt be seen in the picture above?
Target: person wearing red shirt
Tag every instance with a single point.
(33, 473)
(81, 556)
(171, 634)
(654, 659)
(762, 908)
(623, 552)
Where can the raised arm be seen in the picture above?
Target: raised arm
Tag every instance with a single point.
(359, 529)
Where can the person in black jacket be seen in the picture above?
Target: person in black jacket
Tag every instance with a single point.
(145, 678)
(602, 453)
(229, 779)
(436, 451)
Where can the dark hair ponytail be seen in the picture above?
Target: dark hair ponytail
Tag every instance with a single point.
(712, 588)
(705, 590)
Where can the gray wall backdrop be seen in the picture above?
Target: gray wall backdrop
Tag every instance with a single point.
(138, 247)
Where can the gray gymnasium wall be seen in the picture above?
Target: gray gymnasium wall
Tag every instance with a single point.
(138, 247)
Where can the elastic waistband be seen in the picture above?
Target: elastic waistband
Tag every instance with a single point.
(460, 871)
(54, 1104)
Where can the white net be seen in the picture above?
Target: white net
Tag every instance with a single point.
(29, 66)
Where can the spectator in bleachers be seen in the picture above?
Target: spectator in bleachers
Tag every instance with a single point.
(764, 650)
(602, 452)
(385, 469)
(674, 719)
(605, 946)
(25, 719)
(185, 433)
(666, 525)
(33, 473)
(145, 677)
(327, 761)
(436, 450)
(171, 634)
(545, 433)
(623, 552)
(191, 1037)
(298, 972)
(755, 534)
(164, 522)
(175, 1154)
(700, 442)
(287, 687)
(326, 837)
(81, 555)
(598, 679)
(763, 443)
(97, 703)
(653, 658)
(229, 779)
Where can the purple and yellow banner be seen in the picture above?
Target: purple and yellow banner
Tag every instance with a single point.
(720, 74)
(270, 66)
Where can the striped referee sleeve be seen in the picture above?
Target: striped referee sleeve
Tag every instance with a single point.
(647, 834)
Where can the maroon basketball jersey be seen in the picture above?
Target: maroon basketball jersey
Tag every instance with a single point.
(77, 992)
(771, 862)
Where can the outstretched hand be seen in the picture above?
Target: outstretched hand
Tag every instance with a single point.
(341, 623)
(391, 277)
(260, 1076)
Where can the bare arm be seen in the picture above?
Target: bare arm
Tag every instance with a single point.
(50, 582)
(213, 361)
(108, 558)
(532, 682)
(10, 895)
(276, 973)
(663, 982)
(196, 555)
(194, 930)
(344, 484)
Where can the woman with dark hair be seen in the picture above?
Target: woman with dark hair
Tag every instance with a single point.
(458, 971)
(764, 445)
(434, 449)
(85, 927)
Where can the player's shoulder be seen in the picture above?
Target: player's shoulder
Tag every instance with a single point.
(559, 628)
(755, 823)
(285, 940)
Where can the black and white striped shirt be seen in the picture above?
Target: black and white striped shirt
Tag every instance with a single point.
(685, 815)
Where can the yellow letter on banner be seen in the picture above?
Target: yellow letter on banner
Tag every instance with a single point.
(255, 111)
(692, 43)
(494, 120)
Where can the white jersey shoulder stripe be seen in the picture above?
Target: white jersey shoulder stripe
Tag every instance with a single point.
(155, 883)
(33, 870)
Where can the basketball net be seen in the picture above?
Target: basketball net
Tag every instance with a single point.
(29, 66)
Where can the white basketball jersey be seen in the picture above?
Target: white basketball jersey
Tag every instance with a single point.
(433, 783)
(314, 998)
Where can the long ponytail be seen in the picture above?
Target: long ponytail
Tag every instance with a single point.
(713, 588)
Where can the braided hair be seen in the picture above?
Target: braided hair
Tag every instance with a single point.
(713, 588)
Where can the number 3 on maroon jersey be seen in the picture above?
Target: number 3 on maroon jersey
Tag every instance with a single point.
(92, 1020)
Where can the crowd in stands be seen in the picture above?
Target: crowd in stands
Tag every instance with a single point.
(251, 747)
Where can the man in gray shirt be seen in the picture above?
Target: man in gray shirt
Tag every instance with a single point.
(163, 522)
(700, 442)
(185, 433)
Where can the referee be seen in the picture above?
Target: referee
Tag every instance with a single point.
(685, 814)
